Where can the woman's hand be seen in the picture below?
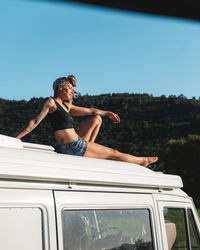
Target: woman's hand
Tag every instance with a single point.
(114, 117)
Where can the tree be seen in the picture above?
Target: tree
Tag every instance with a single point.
(182, 157)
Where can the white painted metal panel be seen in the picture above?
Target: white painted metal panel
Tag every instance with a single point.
(21, 228)
(11, 142)
(20, 210)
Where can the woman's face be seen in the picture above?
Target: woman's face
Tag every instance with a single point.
(67, 91)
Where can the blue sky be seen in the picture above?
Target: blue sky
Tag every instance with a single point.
(109, 51)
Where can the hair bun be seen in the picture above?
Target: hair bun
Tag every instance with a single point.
(72, 80)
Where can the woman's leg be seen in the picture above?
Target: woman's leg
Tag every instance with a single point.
(89, 129)
(95, 150)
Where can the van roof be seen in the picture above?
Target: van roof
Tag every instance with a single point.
(29, 161)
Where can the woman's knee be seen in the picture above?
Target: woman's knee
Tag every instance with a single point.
(97, 119)
(114, 154)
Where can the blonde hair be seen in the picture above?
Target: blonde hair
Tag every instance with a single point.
(72, 80)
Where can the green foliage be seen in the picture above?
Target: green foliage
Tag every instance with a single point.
(147, 122)
(182, 157)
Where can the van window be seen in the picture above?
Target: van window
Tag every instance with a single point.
(21, 229)
(181, 229)
(107, 229)
(175, 222)
(194, 234)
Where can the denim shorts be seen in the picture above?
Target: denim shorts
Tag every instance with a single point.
(76, 147)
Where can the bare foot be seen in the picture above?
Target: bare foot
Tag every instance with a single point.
(148, 160)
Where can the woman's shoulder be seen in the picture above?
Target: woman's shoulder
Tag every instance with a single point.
(49, 102)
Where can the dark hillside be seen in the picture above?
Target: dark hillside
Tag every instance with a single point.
(147, 122)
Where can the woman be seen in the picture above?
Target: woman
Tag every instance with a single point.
(81, 142)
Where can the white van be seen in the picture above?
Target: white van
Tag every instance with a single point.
(51, 201)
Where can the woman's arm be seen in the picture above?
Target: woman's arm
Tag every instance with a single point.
(81, 111)
(33, 123)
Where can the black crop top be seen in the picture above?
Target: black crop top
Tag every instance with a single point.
(60, 119)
